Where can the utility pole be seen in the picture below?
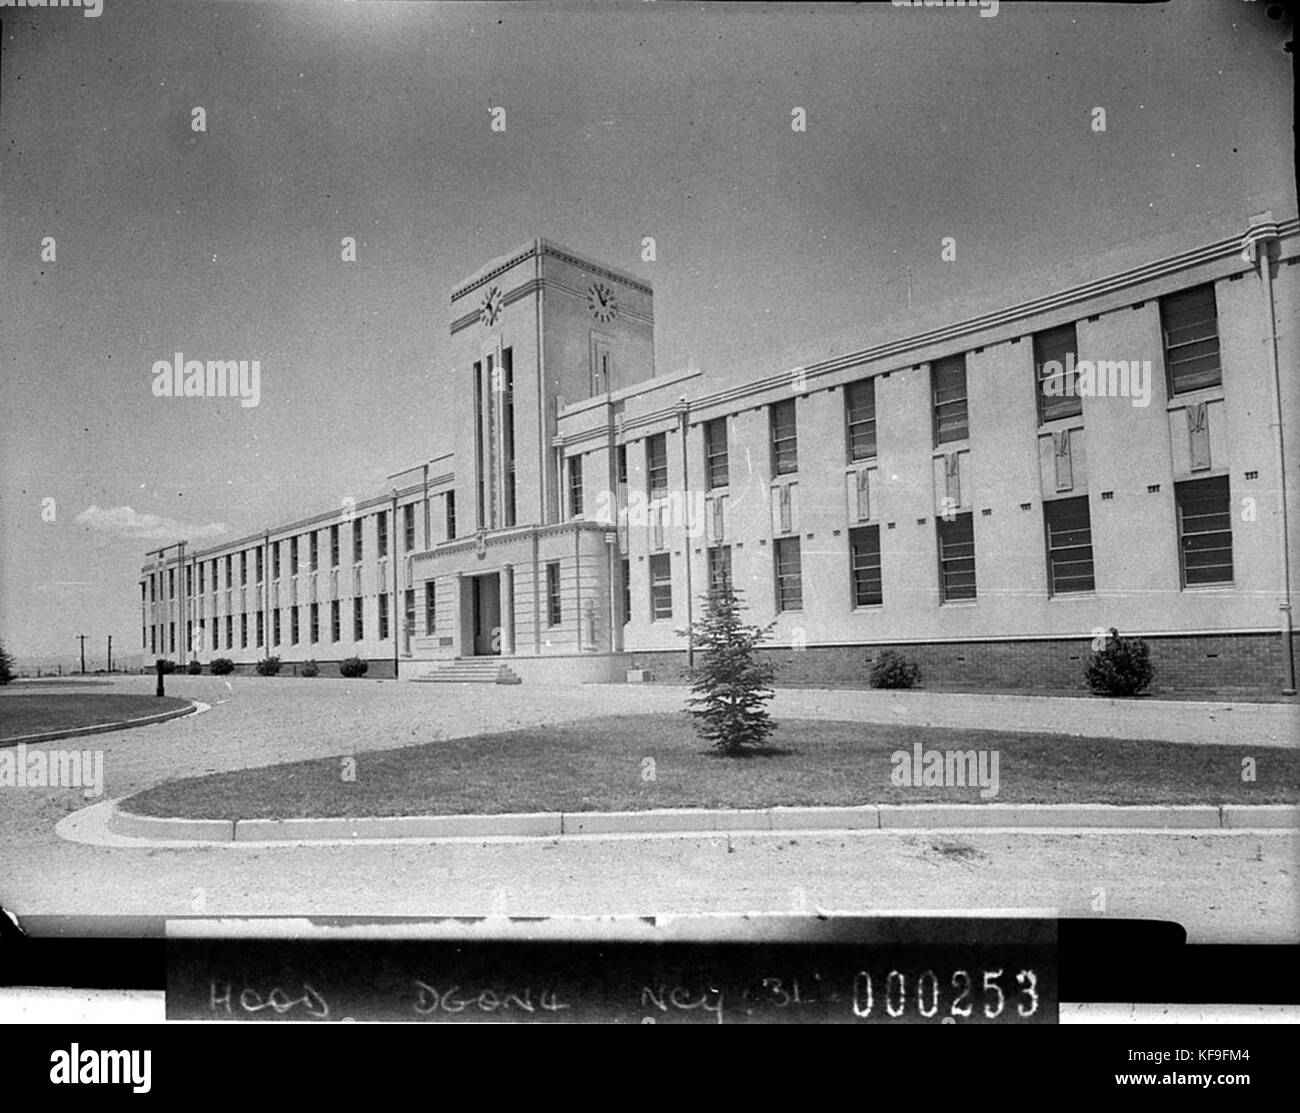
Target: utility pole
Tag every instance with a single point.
(110, 653)
(82, 639)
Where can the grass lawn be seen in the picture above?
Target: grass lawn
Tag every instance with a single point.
(599, 765)
(38, 712)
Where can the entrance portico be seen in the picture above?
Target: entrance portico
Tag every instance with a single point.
(540, 596)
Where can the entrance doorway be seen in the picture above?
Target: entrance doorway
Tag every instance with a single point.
(486, 614)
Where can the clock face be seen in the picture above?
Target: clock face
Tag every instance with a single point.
(490, 311)
(602, 301)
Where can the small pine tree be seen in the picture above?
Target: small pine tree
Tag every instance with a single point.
(6, 666)
(731, 685)
(1122, 667)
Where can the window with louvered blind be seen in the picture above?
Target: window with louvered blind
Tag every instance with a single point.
(1189, 322)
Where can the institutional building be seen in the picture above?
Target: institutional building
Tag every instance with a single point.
(983, 497)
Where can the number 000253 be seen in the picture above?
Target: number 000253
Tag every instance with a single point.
(988, 994)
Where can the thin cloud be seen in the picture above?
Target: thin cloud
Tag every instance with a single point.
(123, 521)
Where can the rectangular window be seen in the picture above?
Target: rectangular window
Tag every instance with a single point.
(261, 627)
(956, 558)
(153, 589)
(230, 571)
(1055, 353)
(599, 367)
(334, 546)
(948, 389)
(627, 591)
(383, 615)
(336, 621)
(553, 613)
(243, 631)
(408, 527)
(381, 532)
(313, 624)
(153, 639)
(408, 610)
(189, 579)
(275, 560)
(450, 506)
(1189, 322)
(575, 486)
(313, 549)
(357, 546)
(1069, 545)
(243, 568)
(430, 608)
(508, 432)
(656, 455)
(860, 420)
(261, 565)
(716, 462)
(719, 566)
(864, 561)
(275, 626)
(293, 625)
(203, 579)
(480, 464)
(230, 631)
(171, 637)
(620, 464)
(661, 586)
(293, 556)
(785, 441)
(789, 574)
(1205, 531)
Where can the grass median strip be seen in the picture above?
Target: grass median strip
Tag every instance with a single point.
(632, 763)
(25, 713)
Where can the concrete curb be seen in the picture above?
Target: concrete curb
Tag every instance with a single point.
(873, 817)
(102, 728)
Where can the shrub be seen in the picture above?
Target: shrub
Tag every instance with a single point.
(893, 670)
(1122, 667)
(168, 666)
(268, 666)
(6, 666)
(194, 668)
(731, 685)
(353, 667)
(221, 665)
(310, 668)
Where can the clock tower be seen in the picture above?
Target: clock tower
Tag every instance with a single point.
(534, 332)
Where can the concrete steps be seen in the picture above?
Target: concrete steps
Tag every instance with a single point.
(470, 670)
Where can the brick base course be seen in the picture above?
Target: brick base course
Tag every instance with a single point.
(1243, 665)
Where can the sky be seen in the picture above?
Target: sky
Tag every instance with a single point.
(332, 119)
